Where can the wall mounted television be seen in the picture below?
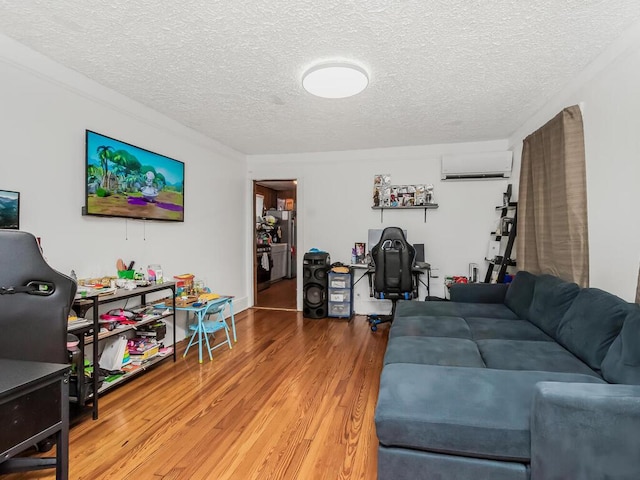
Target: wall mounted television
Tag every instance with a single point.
(123, 180)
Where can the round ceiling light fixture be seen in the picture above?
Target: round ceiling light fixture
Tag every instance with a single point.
(335, 80)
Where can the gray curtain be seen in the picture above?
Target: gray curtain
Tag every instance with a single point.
(552, 200)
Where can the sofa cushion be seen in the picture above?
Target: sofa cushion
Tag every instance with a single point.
(456, 352)
(411, 308)
(552, 297)
(528, 355)
(453, 309)
(475, 412)
(439, 326)
(486, 310)
(621, 364)
(410, 464)
(485, 328)
(591, 324)
(478, 292)
(520, 293)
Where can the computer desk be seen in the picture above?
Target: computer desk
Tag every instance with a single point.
(34, 405)
(417, 271)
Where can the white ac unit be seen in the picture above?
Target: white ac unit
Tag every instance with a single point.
(477, 165)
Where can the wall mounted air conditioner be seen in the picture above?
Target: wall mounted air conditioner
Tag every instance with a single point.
(477, 165)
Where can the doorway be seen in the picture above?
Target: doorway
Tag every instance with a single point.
(275, 240)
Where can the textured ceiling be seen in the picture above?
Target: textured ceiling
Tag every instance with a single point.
(441, 71)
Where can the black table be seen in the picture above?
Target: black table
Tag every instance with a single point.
(416, 271)
(34, 405)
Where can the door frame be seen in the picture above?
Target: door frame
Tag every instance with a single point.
(253, 230)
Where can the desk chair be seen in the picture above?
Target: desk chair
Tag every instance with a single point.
(35, 301)
(204, 328)
(393, 277)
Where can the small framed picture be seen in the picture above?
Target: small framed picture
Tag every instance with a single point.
(9, 210)
(289, 204)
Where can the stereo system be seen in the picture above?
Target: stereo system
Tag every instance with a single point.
(315, 268)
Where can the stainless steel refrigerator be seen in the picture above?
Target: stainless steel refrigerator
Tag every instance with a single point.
(287, 225)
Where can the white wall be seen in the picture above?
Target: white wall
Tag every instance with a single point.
(608, 94)
(335, 194)
(45, 109)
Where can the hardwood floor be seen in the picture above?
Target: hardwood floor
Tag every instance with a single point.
(293, 399)
(281, 294)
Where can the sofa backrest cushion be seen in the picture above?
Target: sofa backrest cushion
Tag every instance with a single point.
(621, 364)
(520, 293)
(478, 292)
(591, 325)
(552, 297)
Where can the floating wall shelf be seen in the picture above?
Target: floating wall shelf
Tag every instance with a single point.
(428, 206)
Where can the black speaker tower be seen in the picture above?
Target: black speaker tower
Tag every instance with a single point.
(315, 270)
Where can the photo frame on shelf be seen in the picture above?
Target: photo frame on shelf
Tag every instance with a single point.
(381, 193)
(359, 250)
(387, 195)
(9, 210)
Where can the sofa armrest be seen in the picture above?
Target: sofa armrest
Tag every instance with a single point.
(478, 292)
(586, 431)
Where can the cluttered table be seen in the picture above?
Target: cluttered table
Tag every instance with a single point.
(207, 305)
(200, 307)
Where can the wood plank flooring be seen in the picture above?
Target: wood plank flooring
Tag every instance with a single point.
(293, 399)
(281, 294)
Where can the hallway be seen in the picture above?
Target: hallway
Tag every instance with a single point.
(281, 294)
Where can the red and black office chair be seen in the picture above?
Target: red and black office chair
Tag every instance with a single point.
(393, 278)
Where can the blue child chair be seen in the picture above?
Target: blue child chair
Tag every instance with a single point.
(204, 328)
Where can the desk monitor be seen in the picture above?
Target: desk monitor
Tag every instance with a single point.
(374, 237)
(419, 262)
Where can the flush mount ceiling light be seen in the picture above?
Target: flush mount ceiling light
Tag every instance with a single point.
(335, 80)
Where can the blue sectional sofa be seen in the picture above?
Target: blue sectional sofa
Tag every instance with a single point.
(539, 379)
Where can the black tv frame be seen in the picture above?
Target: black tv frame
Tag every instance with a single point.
(85, 208)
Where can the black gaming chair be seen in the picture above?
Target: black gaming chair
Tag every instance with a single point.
(34, 302)
(393, 277)
(34, 306)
